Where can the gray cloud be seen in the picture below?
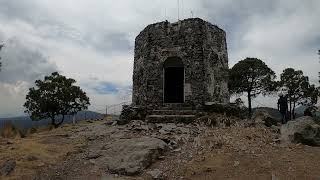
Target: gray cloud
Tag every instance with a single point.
(111, 42)
(22, 63)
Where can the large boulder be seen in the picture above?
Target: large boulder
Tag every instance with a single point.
(131, 156)
(302, 130)
(265, 117)
(227, 109)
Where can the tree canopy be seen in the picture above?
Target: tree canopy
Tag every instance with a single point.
(55, 96)
(251, 76)
(300, 92)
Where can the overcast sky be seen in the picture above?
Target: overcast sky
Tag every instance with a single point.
(92, 40)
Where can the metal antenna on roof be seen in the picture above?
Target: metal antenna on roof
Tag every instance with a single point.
(165, 13)
(182, 9)
(178, 10)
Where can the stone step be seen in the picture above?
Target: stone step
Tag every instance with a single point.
(170, 118)
(173, 112)
(176, 106)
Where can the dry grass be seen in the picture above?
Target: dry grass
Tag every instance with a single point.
(12, 131)
(49, 147)
(8, 131)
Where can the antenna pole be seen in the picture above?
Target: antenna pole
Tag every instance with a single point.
(165, 14)
(178, 10)
(182, 9)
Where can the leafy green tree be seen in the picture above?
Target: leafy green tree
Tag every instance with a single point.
(251, 76)
(55, 96)
(300, 92)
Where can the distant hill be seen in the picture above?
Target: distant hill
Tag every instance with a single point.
(26, 122)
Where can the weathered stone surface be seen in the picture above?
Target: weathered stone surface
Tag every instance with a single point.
(156, 174)
(302, 130)
(7, 167)
(170, 118)
(130, 112)
(200, 46)
(131, 156)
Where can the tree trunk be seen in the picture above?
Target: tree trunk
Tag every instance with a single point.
(249, 104)
(290, 110)
(293, 110)
(56, 125)
(53, 121)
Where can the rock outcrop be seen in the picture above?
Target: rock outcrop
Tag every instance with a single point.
(131, 156)
(7, 167)
(302, 130)
(262, 116)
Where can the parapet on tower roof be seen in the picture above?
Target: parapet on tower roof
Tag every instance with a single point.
(194, 21)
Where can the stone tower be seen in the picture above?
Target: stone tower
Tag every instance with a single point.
(184, 62)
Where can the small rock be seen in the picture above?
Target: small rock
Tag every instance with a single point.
(161, 157)
(236, 163)
(173, 144)
(9, 142)
(92, 161)
(92, 138)
(93, 155)
(7, 167)
(275, 129)
(156, 174)
(109, 122)
(208, 170)
(31, 158)
(41, 164)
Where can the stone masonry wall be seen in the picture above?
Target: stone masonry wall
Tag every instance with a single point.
(203, 50)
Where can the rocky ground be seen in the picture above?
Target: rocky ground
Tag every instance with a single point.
(202, 150)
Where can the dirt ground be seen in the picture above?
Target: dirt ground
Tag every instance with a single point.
(236, 152)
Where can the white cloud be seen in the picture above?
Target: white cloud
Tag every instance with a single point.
(12, 98)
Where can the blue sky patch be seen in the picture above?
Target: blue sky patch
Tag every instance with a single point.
(107, 88)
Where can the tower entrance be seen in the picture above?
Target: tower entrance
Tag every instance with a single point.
(173, 80)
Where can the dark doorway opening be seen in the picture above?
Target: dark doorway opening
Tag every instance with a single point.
(173, 81)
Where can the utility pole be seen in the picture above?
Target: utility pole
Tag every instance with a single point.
(106, 110)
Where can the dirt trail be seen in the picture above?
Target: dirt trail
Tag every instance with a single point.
(237, 152)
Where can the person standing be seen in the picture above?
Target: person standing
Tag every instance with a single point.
(283, 107)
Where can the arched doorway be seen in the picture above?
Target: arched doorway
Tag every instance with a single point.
(173, 80)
